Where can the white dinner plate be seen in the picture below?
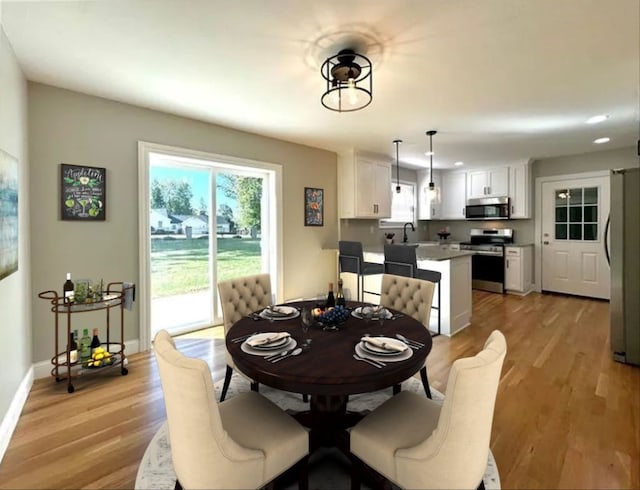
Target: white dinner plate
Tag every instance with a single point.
(357, 312)
(291, 344)
(381, 351)
(282, 313)
(403, 356)
(261, 337)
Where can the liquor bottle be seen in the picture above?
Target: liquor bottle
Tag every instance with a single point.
(95, 342)
(67, 288)
(331, 300)
(73, 347)
(340, 301)
(85, 345)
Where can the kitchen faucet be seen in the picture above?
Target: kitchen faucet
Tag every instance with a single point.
(405, 238)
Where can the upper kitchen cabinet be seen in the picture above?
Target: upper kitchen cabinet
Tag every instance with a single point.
(364, 186)
(491, 182)
(427, 208)
(519, 187)
(453, 195)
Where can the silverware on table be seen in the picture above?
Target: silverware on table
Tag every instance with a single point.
(378, 364)
(294, 352)
(409, 342)
(243, 338)
(277, 354)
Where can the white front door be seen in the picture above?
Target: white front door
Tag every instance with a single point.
(574, 213)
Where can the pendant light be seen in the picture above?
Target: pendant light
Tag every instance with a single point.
(397, 143)
(432, 193)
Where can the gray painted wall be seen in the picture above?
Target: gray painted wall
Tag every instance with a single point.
(15, 292)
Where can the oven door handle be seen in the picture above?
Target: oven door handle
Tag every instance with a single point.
(484, 252)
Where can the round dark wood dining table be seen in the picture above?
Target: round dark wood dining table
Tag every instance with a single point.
(328, 371)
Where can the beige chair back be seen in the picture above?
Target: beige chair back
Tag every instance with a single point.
(458, 448)
(242, 296)
(411, 296)
(203, 453)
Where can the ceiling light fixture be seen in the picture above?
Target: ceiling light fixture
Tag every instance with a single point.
(458, 164)
(597, 119)
(599, 141)
(349, 81)
(397, 143)
(432, 193)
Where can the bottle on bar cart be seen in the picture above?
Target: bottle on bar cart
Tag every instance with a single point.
(95, 342)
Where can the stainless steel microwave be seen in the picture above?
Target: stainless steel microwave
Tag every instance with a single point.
(488, 208)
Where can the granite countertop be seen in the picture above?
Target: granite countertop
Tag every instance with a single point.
(424, 253)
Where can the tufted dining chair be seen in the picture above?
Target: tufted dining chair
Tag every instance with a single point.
(239, 297)
(418, 443)
(245, 442)
(412, 297)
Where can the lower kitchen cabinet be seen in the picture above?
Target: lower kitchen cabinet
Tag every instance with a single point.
(518, 270)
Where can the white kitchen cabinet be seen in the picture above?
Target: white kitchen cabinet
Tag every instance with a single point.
(518, 269)
(364, 186)
(453, 195)
(491, 182)
(519, 190)
(427, 208)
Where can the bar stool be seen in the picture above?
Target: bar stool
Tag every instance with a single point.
(351, 259)
(401, 260)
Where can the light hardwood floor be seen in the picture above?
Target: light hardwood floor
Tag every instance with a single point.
(566, 416)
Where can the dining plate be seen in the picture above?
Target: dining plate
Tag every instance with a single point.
(381, 351)
(261, 337)
(279, 313)
(357, 312)
(290, 344)
(402, 356)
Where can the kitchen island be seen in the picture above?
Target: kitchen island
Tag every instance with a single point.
(455, 285)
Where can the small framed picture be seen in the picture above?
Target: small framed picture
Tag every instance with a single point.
(83, 193)
(313, 206)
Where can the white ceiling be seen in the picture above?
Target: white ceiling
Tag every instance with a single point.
(500, 80)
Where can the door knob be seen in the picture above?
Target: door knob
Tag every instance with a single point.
(545, 242)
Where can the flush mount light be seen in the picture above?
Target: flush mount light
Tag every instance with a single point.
(597, 119)
(458, 164)
(349, 81)
(599, 141)
(397, 143)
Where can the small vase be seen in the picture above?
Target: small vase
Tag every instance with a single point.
(389, 241)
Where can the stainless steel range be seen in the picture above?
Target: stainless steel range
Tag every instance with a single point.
(487, 263)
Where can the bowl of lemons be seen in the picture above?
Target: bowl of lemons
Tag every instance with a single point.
(100, 358)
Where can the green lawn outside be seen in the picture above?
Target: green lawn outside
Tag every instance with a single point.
(181, 265)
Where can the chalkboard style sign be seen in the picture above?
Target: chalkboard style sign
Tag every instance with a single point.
(83, 193)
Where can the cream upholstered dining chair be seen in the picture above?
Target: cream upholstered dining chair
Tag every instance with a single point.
(244, 442)
(239, 297)
(413, 297)
(418, 443)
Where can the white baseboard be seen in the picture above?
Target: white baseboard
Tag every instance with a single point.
(10, 420)
(42, 369)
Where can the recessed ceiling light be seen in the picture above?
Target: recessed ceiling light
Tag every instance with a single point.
(599, 141)
(597, 119)
(457, 164)
(428, 153)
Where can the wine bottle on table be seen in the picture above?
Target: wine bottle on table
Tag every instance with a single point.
(340, 301)
(331, 300)
(67, 289)
(95, 341)
(73, 347)
(85, 345)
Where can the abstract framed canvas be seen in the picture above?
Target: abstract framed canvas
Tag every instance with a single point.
(8, 214)
(313, 206)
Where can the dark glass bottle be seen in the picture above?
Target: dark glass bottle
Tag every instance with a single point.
(331, 300)
(340, 301)
(73, 347)
(95, 342)
(67, 288)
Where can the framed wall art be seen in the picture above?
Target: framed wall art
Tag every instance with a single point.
(313, 206)
(83, 193)
(8, 214)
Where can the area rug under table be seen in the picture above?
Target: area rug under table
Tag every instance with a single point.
(328, 468)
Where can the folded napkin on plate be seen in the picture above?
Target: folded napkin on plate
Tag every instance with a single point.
(383, 344)
(269, 339)
(275, 311)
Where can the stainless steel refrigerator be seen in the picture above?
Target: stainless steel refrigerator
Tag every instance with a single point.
(622, 244)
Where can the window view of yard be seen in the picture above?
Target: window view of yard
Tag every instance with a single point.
(181, 265)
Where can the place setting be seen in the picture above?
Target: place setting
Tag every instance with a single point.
(377, 351)
(272, 346)
(275, 313)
